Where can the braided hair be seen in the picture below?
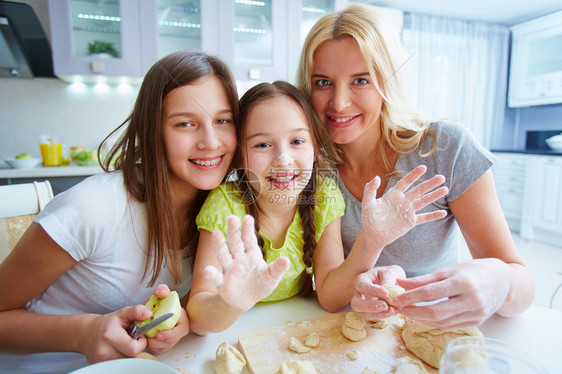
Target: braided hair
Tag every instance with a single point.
(324, 152)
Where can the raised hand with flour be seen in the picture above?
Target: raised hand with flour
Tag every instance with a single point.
(392, 215)
(244, 278)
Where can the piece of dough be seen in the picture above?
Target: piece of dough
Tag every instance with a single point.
(378, 324)
(297, 367)
(295, 345)
(229, 360)
(369, 371)
(147, 356)
(353, 327)
(353, 355)
(353, 334)
(354, 320)
(393, 291)
(407, 365)
(312, 340)
(428, 343)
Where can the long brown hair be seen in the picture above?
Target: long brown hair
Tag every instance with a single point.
(140, 154)
(323, 151)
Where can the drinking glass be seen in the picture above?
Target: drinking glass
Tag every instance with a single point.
(51, 150)
(480, 355)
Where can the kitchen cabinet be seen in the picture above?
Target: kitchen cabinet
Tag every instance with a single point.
(509, 175)
(543, 220)
(529, 188)
(259, 40)
(77, 23)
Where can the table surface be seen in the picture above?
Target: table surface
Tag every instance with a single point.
(58, 171)
(537, 331)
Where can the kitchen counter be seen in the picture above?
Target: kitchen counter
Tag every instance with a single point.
(545, 152)
(59, 171)
(536, 332)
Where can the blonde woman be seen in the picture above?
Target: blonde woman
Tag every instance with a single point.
(350, 69)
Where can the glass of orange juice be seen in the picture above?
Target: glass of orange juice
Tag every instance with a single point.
(51, 150)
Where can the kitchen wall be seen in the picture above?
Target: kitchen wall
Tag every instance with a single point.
(520, 120)
(80, 115)
(32, 107)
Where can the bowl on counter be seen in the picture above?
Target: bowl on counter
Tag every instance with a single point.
(23, 163)
(555, 142)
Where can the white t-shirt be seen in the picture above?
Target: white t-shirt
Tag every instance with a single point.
(105, 232)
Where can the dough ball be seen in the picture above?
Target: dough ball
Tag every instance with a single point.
(297, 367)
(147, 356)
(295, 345)
(312, 340)
(407, 365)
(369, 371)
(352, 334)
(428, 343)
(229, 360)
(393, 291)
(353, 355)
(380, 324)
(354, 320)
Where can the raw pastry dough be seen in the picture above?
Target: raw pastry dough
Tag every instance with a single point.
(428, 343)
(353, 334)
(393, 291)
(354, 320)
(312, 340)
(147, 356)
(229, 360)
(380, 324)
(297, 367)
(353, 327)
(353, 355)
(407, 365)
(295, 345)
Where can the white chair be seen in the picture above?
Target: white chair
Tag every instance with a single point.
(26, 198)
(19, 203)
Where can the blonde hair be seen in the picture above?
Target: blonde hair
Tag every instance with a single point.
(402, 127)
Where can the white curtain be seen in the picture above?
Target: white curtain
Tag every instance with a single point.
(458, 71)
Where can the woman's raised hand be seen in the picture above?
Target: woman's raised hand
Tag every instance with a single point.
(392, 215)
(245, 277)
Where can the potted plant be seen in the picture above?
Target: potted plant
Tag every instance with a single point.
(100, 47)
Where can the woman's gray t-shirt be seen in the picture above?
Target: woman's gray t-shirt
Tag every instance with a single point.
(433, 245)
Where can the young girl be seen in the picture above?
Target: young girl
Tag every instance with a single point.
(102, 245)
(296, 210)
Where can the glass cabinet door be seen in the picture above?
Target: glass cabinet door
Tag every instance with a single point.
(179, 26)
(312, 11)
(96, 28)
(253, 33)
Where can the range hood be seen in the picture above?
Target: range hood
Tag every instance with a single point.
(25, 51)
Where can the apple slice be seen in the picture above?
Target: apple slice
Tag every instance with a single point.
(159, 307)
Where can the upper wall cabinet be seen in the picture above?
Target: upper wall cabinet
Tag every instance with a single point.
(95, 38)
(115, 40)
(535, 76)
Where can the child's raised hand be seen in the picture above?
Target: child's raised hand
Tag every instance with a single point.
(394, 214)
(245, 277)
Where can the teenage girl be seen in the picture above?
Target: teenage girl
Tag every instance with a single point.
(74, 282)
(291, 212)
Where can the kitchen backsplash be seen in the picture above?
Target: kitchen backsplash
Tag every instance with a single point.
(80, 115)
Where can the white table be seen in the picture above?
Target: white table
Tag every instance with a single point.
(57, 171)
(538, 331)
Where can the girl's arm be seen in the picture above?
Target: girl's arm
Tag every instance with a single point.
(29, 269)
(497, 280)
(383, 220)
(229, 276)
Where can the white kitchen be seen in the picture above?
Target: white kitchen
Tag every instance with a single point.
(493, 66)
